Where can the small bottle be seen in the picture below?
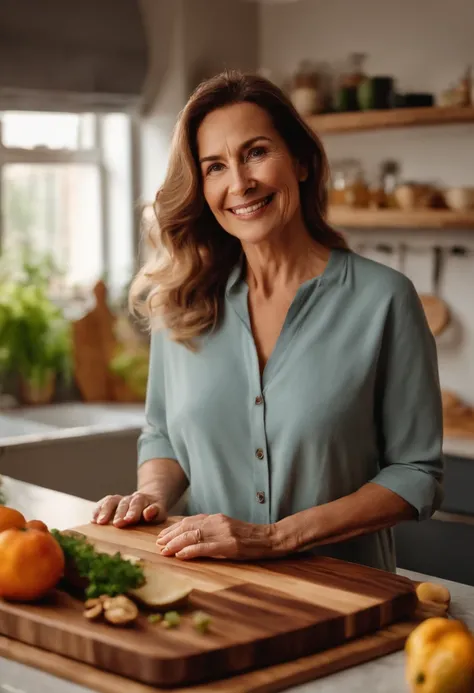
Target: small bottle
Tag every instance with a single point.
(465, 87)
(306, 94)
(346, 94)
(390, 178)
(378, 198)
(357, 192)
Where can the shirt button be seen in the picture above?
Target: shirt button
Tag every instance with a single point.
(259, 454)
(260, 496)
(259, 399)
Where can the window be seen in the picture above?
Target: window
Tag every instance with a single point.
(66, 191)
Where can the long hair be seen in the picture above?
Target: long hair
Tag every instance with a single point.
(182, 285)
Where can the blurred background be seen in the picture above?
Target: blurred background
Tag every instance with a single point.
(89, 95)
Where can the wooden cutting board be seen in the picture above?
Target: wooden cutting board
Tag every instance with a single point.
(262, 613)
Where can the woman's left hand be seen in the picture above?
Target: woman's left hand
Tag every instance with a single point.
(219, 536)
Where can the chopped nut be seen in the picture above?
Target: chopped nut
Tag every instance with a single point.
(120, 616)
(92, 602)
(121, 600)
(120, 610)
(93, 612)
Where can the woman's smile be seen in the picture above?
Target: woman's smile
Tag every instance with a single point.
(253, 209)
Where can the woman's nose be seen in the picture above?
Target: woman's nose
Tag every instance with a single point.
(240, 181)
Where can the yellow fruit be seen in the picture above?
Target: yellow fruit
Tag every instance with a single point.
(430, 593)
(440, 657)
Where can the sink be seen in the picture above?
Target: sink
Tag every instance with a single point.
(78, 414)
(12, 426)
(86, 450)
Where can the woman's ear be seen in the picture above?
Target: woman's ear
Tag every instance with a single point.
(301, 172)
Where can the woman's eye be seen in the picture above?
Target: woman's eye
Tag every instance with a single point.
(214, 168)
(256, 152)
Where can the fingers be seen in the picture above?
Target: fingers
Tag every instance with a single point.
(105, 509)
(205, 550)
(129, 510)
(177, 528)
(154, 512)
(170, 533)
(180, 542)
(126, 510)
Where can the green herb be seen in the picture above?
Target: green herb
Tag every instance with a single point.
(201, 621)
(35, 336)
(105, 574)
(171, 619)
(155, 618)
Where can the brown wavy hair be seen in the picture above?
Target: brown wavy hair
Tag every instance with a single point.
(182, 285)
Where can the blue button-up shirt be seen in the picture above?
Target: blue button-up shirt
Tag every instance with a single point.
(349, 395)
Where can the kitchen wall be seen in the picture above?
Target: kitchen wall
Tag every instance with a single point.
(427, 46)
(190, 40)
(165, 89)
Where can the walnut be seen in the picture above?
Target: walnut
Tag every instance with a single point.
(93, 611)
(116, 610)
(120, 610)
(94, 602)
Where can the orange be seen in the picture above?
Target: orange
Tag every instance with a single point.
(9, 517)
(37, 524)
(31, 563)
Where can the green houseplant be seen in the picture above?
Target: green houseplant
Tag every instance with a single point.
(34, 335)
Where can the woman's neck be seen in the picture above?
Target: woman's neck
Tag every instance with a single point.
(283, 265)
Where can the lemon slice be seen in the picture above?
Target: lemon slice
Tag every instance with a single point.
(163, 589)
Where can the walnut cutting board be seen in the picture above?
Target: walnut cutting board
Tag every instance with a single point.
(263, 614)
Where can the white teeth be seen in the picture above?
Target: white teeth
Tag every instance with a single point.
(252, 208)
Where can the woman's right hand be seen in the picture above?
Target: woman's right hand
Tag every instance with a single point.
(123, 511)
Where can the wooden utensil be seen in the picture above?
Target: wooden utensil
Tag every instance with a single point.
(95, 344)
(436, 310)
(262, 614)
(458, 417)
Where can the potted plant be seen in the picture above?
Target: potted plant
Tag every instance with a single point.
(34, 334)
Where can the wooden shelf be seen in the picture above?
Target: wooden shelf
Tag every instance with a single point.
(348, 218)
(393, 118)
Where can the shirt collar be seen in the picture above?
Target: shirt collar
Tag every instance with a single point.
(236, 279)
(334, 273)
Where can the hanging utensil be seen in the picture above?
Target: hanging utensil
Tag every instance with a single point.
(436, 309)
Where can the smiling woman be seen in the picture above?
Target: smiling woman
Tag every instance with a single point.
(293, 385)
(225, 139)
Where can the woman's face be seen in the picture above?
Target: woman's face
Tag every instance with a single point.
(250, 179)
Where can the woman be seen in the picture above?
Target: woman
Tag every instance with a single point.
(293, 385)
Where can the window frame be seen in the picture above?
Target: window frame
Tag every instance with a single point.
(96, 156)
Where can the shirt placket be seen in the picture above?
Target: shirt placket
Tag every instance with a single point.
(257, 447)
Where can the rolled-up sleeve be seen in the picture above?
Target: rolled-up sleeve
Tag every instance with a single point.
(408, 409)
(154, 441)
